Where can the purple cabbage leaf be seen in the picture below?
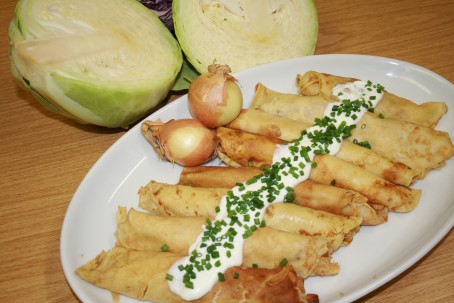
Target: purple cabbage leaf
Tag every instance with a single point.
(163, 9)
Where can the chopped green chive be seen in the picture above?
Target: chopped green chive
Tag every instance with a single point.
(363, 143)
(283, 262)
(290, 196)
(164, 247)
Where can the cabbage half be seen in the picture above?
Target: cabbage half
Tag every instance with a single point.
(244, 33)
(102, 62)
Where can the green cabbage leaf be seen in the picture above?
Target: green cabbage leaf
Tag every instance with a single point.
(102, 62)
(244, 33)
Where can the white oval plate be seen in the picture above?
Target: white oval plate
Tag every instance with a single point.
(376, 255)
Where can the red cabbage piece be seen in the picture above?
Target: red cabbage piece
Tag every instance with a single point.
(163, 9)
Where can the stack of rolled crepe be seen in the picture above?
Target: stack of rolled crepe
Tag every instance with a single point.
(389, 150)
(137, 266)
(310, 194)
(428, 114)
(142, 275)
(357, 186)
(175, 215)
(416, 145)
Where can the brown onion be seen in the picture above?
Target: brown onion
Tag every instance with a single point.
(186, 141)
(215, 99)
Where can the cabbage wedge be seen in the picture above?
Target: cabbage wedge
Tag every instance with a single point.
(102, 62)
(244, 33)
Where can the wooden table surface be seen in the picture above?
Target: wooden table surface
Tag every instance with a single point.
(43, 157)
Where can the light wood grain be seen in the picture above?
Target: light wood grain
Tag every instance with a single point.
(44, 157)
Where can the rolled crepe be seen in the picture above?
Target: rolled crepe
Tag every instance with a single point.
(308, 193)
(309, 255)
(148, 231)
(266, 124)
(142, 275)
(145, 231)
(337, 200)
(216, 176)
(335, 171)
(391, 106)
(297, 107)
(292, 248)
(420, 148)
(338, 230)
(378, 191)
(180, 200)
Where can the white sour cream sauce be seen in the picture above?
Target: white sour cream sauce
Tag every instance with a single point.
(206, 278)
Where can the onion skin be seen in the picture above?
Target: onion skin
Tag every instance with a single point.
(185, 141)
(215, 99)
